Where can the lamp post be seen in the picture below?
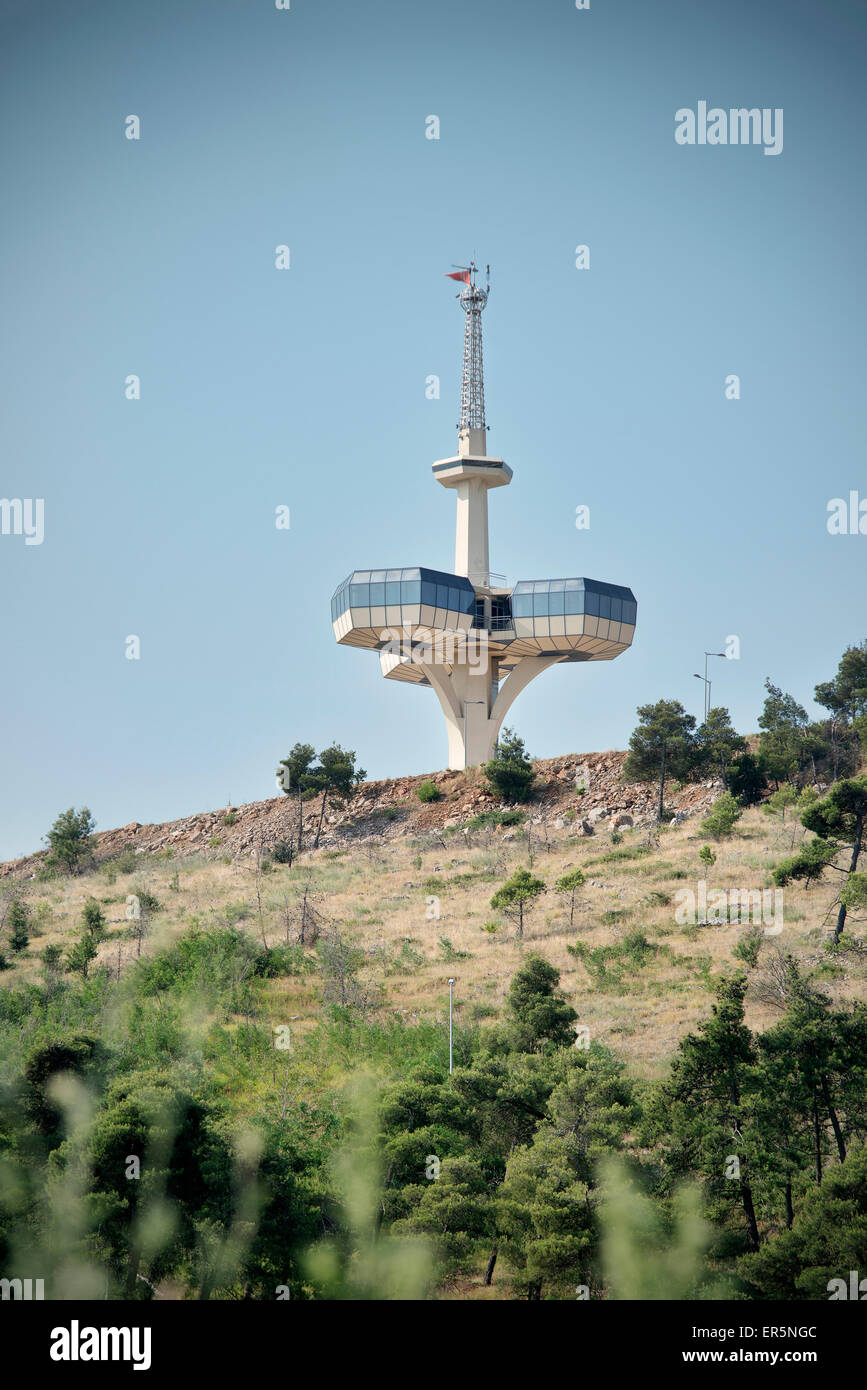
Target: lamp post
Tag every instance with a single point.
(707, 683)
(451, 1035)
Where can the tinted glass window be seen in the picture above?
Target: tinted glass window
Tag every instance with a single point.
(429, 593)
(591, 603)
(377, 595)
(359, 595)
(556, 603)
(522, 605)
(392, 592)
(410, 591)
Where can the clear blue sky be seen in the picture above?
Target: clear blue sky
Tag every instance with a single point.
(307, 386)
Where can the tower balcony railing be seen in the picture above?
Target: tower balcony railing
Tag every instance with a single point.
(487, 579)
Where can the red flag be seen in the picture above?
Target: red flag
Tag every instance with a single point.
(458, 275)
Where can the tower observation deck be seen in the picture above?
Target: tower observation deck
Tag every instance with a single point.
(474, 640)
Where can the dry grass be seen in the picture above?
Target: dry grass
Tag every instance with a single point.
(378, 895)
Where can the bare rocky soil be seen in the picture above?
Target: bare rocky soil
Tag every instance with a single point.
(391, 809)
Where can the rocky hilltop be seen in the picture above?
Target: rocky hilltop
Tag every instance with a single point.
(581, 791)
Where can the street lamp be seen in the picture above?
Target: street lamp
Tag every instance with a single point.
(707, 683)
(451, 1062)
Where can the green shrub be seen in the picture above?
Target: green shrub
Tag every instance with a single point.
(747, 949)
(428, 791)
(448, 951)
(721, 818)
(510, 771)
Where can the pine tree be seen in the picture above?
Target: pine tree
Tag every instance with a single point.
(70, 840)
(705, 1106)
(663, 744)
(517, 896)
(720, 741)
(510, 771)
(539, 1016)
(839, 818)
(17, 922)
(570, 883)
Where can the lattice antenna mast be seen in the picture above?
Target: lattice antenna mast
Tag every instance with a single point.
(473, 300)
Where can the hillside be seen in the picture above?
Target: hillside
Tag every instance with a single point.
(390, 810)
(410, 886)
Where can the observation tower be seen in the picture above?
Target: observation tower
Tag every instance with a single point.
(470, 636)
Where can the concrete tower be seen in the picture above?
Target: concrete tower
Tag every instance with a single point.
(476, 641)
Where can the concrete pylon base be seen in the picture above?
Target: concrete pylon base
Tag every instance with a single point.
(473, 720)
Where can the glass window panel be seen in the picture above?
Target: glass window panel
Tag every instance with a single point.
(616, 609)
(392, 575)
(540, 605)
(429, 593)
(556, 602)
(604, 606)
(377, 594)
(628, 611)
(392, 592)
(541, 586)
(591, 603)
(455, 600)
(557, 586)
(574, 601)
(522, 605)
(410, 591)
(359, 595)
(574, 583)
(362, 576)
(442, 595)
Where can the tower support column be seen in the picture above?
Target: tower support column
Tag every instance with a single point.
(473, 717)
